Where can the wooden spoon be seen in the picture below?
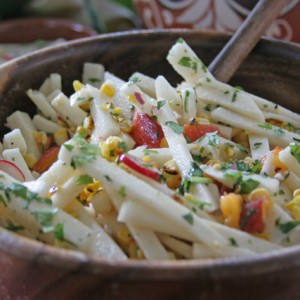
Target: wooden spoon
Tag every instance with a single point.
(246, 37)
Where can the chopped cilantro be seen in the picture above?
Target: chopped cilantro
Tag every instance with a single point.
(286, 227)
(295, 151)
(84, 179)
(186, 99)
(13, 227)
(45, 218)
(189, 218)
(248, 186)
(213, 138)
(68, 147)
(207, 107)
(123, 146)
(161, 103)
(122, 191)
(107, 178)
(296, 140)
(59, 232)
(180, 40)
(88, 153)
(242, 166)
(149, 151)
(257, 145)
(187, 62)
(242, 148)
(279, 131)
(233, 242)
(175, 127)
(265, 125)
(194, 179)
(133, 80)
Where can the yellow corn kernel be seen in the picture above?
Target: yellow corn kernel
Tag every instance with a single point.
(77, 85)
(231, 206)
(124, 236)
(131, 98)
(294, 205)
(125, 125)
(108, 90)
(30, 160)
(112, 147)
(86, 196)
(40, 137)
(117, 111)
(61, 136)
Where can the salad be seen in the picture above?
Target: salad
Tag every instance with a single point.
(145, 170)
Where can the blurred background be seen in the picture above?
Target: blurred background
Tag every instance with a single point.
(26, 25)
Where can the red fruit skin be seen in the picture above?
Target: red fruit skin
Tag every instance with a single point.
(195, 131)
(146, 131)
(252, 216)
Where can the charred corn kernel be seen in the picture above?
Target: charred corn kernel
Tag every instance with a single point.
(30, 160)
(88, 193)
(231, 206)
(108, 90)
(125, 125)
(164, 143)
(171, 174)
(294, 205)
(61, 136)
(124, 236)
(112, 147)
(77, 85)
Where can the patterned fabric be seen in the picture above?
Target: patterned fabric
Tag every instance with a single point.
(219, 15)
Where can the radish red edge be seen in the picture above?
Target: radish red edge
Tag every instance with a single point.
(135, 164)
(12, 169)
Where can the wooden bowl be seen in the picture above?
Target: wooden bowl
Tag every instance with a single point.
(31, 270)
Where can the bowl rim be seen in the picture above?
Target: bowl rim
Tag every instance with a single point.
(25, 248)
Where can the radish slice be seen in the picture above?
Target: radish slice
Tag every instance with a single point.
(140, 166)
(12, 170)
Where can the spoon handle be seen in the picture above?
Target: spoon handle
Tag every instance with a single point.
(246, 37)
